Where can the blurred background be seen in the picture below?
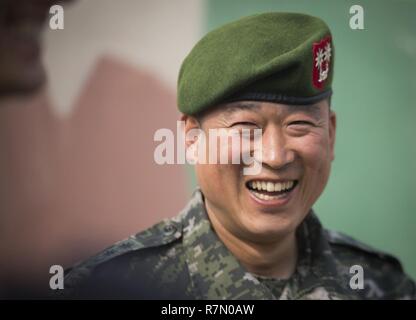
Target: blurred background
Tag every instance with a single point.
(76, 152)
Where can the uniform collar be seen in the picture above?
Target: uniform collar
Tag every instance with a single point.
(216, 274)
(316, 275)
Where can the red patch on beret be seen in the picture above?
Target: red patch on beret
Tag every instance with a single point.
(322, 52)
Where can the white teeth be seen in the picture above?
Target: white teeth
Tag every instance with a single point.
(277, 186)
(264, 196)
(270, 186)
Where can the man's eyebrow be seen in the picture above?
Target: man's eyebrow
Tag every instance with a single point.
(241, 106)
(313, 109)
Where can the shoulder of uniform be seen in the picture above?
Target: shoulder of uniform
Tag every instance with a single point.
(340, 240)
(384, 274)
(160, 234)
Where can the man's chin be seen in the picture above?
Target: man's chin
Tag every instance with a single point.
(270, 229)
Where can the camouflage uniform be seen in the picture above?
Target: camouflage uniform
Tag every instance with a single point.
(182, 258)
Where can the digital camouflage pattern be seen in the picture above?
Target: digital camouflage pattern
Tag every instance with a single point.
(182, 258)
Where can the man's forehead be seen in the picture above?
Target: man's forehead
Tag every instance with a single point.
(257, 107)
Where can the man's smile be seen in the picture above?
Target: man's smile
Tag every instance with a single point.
(271, 192)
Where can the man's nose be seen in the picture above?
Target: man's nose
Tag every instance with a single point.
(276, 153)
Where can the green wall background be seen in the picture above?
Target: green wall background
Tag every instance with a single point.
(371, 194)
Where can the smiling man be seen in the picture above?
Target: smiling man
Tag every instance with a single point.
(256, 217)
(252, 236)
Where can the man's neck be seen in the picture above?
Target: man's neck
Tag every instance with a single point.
(276, 259)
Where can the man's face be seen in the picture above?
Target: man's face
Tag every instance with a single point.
(21, 23)
(297, 150)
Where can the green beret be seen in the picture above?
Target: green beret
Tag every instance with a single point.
(276, 57)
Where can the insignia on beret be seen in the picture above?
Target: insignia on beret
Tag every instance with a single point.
(322, 52)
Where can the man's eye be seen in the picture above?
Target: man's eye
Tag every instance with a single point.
(246, 124)
(302, 123)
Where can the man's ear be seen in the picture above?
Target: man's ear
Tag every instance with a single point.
(332, 131)
(190, 123)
